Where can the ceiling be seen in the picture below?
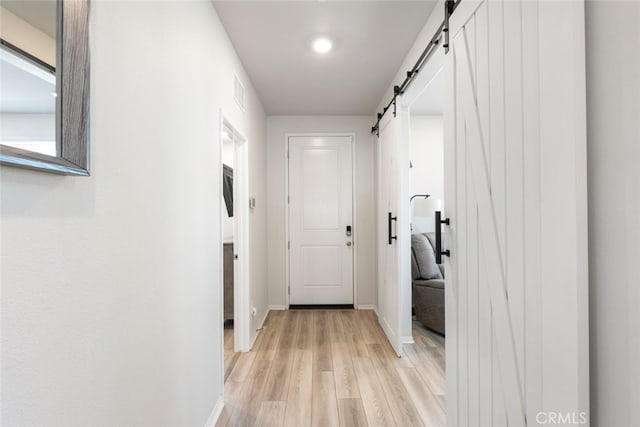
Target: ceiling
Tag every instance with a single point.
(430, 102)
(39, 13)
(273, 40)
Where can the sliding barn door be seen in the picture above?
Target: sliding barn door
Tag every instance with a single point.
(515, 165)
(393, 229)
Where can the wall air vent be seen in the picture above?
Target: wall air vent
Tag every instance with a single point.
(238, 92)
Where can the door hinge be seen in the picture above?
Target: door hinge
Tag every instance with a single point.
(288, 245)
(288, 199)
(289, 290)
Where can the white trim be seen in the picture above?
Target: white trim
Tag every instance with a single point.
(388, 331)
(450, 265)
(366, 307)
(215, 413)
(277, 307)
(253, 340)
(384, 326)
(355, 229)
(404, 220)
(354, 219)
(286, 221)
(408, 340)
(213, 417)
(260, 326)
(242, 286)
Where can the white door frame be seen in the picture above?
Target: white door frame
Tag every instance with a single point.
(241, 277)
(355, 229)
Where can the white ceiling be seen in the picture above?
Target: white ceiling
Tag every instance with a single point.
(430, 102)
(273, 40)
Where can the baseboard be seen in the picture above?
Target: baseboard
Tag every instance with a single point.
(277, 307)
(408, 340)
(320, 306)
(215, 414)
(260, 326)
(264, 318)
(366, 307)
(375, 310)
(253, 341)
(385, 327)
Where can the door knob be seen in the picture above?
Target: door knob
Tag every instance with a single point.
(348, 243)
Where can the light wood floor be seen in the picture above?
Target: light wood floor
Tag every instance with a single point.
(334, 368)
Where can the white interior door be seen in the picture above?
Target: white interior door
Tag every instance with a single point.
(392, 232)
(320, 220)
(515, 184)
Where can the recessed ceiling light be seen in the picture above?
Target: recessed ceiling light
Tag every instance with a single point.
(322, 44)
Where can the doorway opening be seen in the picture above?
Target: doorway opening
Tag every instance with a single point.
(234, 227)
(426, 188)
(422, 189)
(422, 299)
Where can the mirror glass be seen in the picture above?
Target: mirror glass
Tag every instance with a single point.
(28, 75)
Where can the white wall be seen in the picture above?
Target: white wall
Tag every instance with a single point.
(111, 311)
(277, 127)
(426, 143)
(613, 97)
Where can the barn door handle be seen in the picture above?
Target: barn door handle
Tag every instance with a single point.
(390, 219)
(439, 251)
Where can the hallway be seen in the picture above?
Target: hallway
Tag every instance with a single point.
(330, 368)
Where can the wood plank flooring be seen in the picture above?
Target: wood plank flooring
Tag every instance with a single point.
(333, 368)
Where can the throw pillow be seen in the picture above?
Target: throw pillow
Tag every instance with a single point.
(425, 257)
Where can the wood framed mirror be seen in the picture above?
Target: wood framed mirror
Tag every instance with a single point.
(44, 92)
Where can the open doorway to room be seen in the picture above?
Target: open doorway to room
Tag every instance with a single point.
(228, 254)
(426, 144)
(234, 214)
